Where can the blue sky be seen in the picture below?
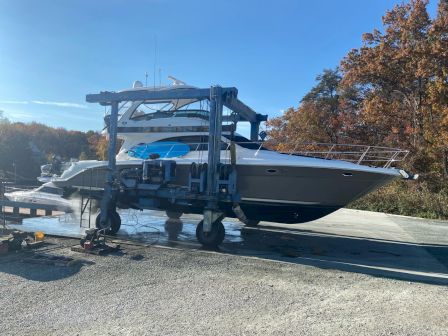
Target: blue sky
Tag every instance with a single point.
(52, 53)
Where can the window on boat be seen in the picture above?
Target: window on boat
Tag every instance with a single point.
(196, 142)
(197, 109)
(151, 110)
(50, 190)
(122, 108)
(168, 109)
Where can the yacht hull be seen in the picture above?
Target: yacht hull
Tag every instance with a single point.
(285, 194)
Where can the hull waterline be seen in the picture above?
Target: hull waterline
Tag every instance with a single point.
(284, 194)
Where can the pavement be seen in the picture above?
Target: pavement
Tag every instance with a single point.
(350, 273)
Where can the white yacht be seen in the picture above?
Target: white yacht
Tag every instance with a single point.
(280, 187)
(47, 194)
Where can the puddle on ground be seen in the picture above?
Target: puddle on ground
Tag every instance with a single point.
(399, 260)
(152, 227)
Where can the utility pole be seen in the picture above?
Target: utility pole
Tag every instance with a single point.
(15, 173)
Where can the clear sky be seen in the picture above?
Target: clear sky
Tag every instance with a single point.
(52, 53)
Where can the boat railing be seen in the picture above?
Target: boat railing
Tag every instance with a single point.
(14, 188)
(359, 154)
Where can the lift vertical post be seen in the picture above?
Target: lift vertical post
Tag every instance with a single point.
(108, 198)
(211, 213)
(254, 130)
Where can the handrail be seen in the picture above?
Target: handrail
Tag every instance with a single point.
(358, 154)
(10, 189)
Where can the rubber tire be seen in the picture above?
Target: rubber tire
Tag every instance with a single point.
(252, 223)
(114, 222)
(213, 238)
(173, 214)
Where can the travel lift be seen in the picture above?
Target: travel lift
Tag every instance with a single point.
(149, 186)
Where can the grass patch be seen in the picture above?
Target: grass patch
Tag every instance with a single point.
(408, 199)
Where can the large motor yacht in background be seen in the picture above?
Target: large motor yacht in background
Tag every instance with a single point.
(279, 187)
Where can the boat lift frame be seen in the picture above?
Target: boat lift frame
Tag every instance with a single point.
(218, 97)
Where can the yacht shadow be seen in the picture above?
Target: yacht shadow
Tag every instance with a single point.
(425, 263)
(39, 272)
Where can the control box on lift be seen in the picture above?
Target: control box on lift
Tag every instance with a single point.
(158, 171)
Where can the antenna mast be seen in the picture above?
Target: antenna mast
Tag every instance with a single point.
(160, 76)
(155, 60)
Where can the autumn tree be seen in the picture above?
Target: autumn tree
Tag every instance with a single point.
(26, 146)
(401, 76)
(328, 113)
(438, 86)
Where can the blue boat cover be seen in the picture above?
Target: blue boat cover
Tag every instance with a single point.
(165, 149)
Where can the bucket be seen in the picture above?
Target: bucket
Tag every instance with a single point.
(39, 236)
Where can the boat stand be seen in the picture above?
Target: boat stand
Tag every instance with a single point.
(208, 194)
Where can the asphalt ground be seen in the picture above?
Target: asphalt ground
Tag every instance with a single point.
(351, 273)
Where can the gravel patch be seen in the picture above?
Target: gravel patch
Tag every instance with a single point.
(189, 292)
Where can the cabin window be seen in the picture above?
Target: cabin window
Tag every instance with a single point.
(50, 190)
(196, 142)
(197, 109)
(150, 110)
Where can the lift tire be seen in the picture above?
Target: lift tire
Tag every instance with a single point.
(113, 223)
(173, 214)
(252, 222)
(212, 238)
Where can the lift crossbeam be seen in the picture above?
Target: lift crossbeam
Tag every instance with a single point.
(229, 95)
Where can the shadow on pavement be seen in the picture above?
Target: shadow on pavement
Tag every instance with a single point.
(424, 263)
(394, 259)
(42, 273)
(53, 266)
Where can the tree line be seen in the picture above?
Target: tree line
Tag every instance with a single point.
(24, 147)
(392, 91)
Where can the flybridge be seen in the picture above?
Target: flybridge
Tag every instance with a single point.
(228, 97)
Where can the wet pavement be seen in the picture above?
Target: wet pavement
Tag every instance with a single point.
(349, 240)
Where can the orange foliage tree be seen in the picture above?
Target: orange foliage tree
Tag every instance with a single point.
(401, 74)
(392, 91)
(328, 113)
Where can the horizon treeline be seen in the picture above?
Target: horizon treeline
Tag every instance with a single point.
(24, 147)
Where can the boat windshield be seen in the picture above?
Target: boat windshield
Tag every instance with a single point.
(150, 110)
(167, 109)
